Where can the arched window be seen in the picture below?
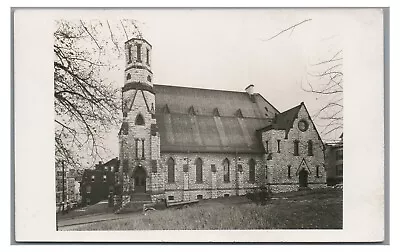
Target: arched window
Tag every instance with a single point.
(310, 148)
(252, 171)
(226, 170)
(139, 120)
(171, 170)
(128, 76)
(199, 170)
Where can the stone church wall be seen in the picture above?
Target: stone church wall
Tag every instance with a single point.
(213, 185)
(279, 176)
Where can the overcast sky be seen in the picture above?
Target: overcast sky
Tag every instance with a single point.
(228, 50)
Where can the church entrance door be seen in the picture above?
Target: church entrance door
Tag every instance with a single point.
(140, 180)
(303, 178)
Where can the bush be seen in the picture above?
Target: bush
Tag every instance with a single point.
(260, 195)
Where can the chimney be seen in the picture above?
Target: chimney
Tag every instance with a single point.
(250, 89)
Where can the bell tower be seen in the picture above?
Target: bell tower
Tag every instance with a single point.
(139, 138)
(138, 62)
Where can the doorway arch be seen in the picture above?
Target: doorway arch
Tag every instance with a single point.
(139, 178)
(303, 178)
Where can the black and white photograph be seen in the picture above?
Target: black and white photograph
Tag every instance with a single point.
(206, 119)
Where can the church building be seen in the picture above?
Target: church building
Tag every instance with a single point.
(182, 144)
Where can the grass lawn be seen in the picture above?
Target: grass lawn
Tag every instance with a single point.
(316, 209)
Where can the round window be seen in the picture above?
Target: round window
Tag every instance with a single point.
(303, 125)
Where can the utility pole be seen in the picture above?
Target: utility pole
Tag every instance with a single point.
(63, 189)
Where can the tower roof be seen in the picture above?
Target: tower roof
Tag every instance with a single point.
(138, 39)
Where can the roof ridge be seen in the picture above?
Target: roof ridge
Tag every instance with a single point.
(211, 115)
(200, 88)
(291, 109)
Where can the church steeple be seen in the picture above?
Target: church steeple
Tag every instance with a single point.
(139, 138)
(138, 63)
(138, 77)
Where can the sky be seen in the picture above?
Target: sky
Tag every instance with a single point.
(229, 49)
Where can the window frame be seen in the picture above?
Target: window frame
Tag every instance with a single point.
(199, 170)
(171, 170)
(310, 148)
(226, 170)
(252, 171)
(143, 149)
(148, 56)
(139, 120)
(129, 54)
(139, 53)
(278, 141)
(296, 147)
(136, 148)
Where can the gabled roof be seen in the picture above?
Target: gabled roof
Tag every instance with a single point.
(206, 120)
(284, 120)
(204, 101)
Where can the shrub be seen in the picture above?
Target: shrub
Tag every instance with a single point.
(260, 195)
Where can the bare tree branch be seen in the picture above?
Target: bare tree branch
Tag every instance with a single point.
(287, 29)
(86, 104)
(332, 59)
(86, 29)
(327, 85)
(112, 37)
(123, 27)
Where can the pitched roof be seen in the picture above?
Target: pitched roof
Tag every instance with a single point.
(204, 130)
(204, 101)
(285, 119)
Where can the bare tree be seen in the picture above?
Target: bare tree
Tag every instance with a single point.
(291, 28)
(86, 101)
(327, 83)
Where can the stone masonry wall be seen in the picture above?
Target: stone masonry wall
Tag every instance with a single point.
(185, 186)
(138, 70)
(154, 180)
(277, 166)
